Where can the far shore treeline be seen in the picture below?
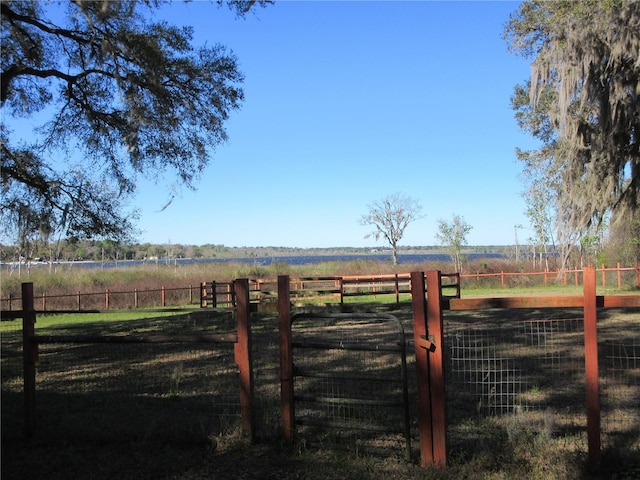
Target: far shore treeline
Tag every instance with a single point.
(106, 250)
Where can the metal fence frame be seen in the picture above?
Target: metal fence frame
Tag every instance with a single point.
(324, 343)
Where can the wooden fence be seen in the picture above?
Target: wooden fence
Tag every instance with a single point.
(428, 304)
(429, 346)
(264, 291)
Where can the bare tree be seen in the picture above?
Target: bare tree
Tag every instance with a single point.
(453, 235)
(390, 217)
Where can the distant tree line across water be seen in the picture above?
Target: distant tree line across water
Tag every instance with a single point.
(107, 250)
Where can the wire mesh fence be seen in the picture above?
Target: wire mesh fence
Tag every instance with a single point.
(620, 380)
(522, 368)
(350, 386)
(11, 376)
(178, 393)
(527, 370)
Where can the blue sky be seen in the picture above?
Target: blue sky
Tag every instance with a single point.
(346, 103)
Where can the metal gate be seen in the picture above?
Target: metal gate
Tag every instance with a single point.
(350, 380)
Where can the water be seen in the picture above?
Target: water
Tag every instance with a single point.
(294, 260)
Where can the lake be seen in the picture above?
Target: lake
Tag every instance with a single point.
(266, 261)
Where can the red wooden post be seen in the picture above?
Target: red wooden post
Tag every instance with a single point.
(243, 357)
(397, 290)
(29, 357)
(638, 274)
(591, 365)
(286, 358)
(619, 276)
(162, 296)
(436, 367)
(604, 276)
(502, 279)
(421, 345)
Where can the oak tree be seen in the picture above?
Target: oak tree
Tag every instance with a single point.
(583, 103)
(113, 95)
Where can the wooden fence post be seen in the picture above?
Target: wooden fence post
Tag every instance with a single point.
(29, 357)
(421, 346)
(243, 357)
(591, 365)
(286, 359)
(203, 290)
(106, 299)
(163, 297)
(638, 274)
(436, 367)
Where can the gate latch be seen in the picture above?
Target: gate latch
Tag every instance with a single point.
(427, 342)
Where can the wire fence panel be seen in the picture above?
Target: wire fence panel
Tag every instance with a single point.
(523, 369)
(160, 393)
(619, 352)
(350, 385)
(153, 388)
(11, 376)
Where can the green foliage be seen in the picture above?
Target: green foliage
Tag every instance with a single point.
(453, 235)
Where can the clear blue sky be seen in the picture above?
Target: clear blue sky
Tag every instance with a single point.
(346, 103)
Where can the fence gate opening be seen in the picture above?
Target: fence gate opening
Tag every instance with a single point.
(349, 381)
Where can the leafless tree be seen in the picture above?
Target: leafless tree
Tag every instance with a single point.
(390, 217)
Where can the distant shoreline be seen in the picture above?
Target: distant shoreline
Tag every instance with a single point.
(267, 260)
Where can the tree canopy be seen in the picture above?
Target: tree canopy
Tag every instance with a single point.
(114, 95)
(583, 103)
(453, 235)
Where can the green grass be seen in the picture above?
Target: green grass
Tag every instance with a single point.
(71, 319)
